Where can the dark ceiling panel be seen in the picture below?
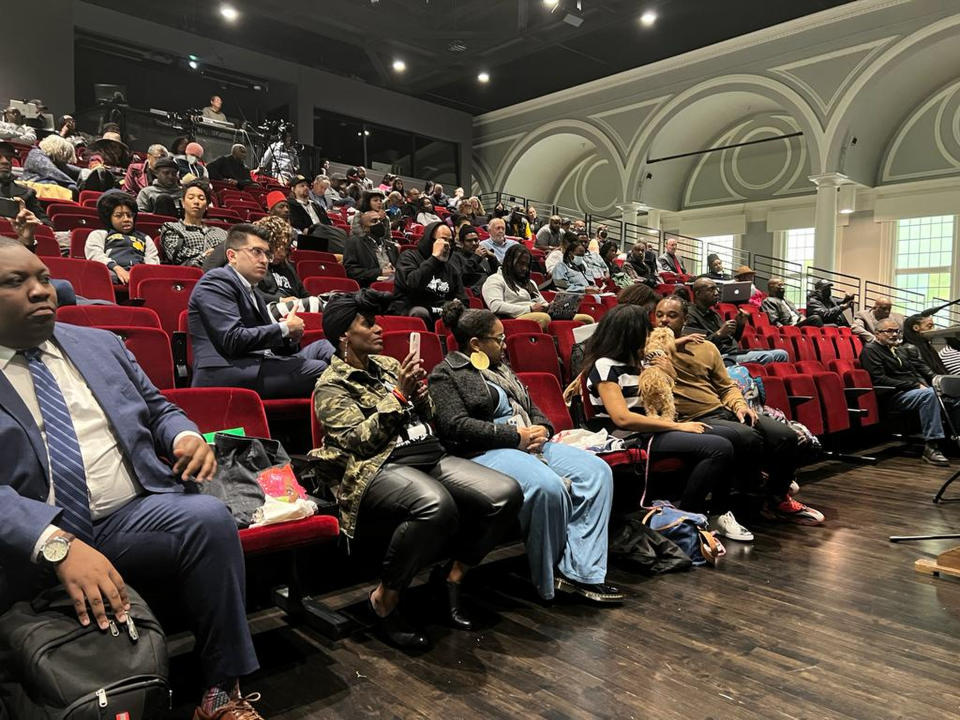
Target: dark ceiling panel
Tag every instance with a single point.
(528, 50)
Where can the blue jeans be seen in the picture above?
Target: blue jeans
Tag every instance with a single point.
(564, 530)
(761, 357)
(924, 401)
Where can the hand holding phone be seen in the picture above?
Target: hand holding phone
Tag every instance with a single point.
(9, 208)
(415, 346)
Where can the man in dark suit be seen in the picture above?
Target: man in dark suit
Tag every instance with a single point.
(903, 381)
(10, 189)
(305, 214)
(669, 261)
(85, 496)
(235, 341)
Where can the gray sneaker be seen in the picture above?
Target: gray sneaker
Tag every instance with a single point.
(932, 455)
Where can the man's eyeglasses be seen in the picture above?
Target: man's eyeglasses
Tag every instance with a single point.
(890, 331)
(259, 253)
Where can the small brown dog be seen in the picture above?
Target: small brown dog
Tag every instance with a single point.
(656, 385)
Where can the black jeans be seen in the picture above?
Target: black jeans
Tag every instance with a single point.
(711, 459)
(769, 445)
(459, 509)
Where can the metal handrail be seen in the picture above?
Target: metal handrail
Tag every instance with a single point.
(768, 267)
(690, 250)
(732, 257)
(849, 284)
(905, 302)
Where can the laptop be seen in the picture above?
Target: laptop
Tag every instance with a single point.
(735, 292)
(564, 306)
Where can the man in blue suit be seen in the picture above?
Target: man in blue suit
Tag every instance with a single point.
(85, 495)
(235, 341)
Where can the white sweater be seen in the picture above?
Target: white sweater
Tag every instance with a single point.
(505, 302)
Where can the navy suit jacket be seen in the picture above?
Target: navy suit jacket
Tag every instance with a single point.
(226, 327)
(144, 422)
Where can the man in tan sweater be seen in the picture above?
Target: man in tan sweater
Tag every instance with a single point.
(705, 392)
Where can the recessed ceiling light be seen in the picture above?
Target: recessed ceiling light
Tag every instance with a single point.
(229, 12)
(648, 18)
(483, 77)
(399, 65)
(193, 64)
(551, 3)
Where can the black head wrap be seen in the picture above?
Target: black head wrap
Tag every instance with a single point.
(342, 309)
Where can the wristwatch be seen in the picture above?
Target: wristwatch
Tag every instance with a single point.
(55, 550)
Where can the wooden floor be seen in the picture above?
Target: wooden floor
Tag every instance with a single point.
(828, 622)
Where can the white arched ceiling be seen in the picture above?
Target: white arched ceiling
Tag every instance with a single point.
(538, 170)
(928, 143)
(693, 119)
(888, 91)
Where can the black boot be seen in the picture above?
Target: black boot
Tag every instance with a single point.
(397, 631)
(452, 591)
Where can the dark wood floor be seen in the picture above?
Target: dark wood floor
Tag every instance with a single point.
(828, 622)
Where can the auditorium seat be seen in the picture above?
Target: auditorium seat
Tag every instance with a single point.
(396, 344)
(151, 347)
(776, 395)
(90, 279)
(312, 268)
(514, 326)
(311, 321)
(398, 323)
(107, 315)
(533, 352)
(313, 255)
(780, 342)
(826, 350)
(64, 223)
(318, 285)
(168, 297)
(47, 246)
(804, 348)
(78, 241)
(141, 272)
(755, 369)
(382, 286)
(562, 332)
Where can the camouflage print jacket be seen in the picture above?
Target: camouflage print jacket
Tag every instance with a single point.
(361, 420)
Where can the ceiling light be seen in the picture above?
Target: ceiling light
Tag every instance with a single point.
(648, 18)
(399, 65)
(483, 77)
(551, 3)
(229, 12)
(193, 64)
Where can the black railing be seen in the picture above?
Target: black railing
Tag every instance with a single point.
(613, 226)
(905, 302)
(843, 284)
(634, 233)
(768, 267)
(732, 257)
(690, 249)
(949, 316)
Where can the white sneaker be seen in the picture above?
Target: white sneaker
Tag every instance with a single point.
(794, 488)
(729, 528)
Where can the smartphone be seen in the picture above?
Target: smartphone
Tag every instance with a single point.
(9, 208)
(415, 346)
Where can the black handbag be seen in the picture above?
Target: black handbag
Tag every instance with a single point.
(55, 668)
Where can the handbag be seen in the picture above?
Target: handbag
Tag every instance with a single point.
(643, 548)
(54, 667)
(688, 530)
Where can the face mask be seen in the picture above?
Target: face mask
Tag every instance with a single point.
(780, 293)
(378, 231)
(602, 234)
(192, 159)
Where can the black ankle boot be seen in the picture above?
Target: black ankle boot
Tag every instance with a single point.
(452, 591)
(397, 631)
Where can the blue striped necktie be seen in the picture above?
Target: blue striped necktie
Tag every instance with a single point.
(66, 462)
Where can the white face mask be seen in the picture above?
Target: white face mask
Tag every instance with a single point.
(192, 158)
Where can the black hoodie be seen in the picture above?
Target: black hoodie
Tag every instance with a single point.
(424, 281)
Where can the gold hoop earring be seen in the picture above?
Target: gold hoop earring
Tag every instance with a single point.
(479, 360)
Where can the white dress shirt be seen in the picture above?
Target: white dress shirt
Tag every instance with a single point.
(310, 210)
(111, 481)
(284, 329)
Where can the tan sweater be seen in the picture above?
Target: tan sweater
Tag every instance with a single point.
(703, 384)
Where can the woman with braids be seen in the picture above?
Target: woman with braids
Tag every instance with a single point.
(510, 293)
(483, 411)
(400, 487)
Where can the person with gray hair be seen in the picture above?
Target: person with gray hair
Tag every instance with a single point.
(52, 163)
(140, 175)
(231, 168)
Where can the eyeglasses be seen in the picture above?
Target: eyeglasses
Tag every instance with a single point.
(501, 338)
(890, 331)
(259, 253)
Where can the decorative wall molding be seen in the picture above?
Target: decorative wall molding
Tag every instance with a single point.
(928, 142)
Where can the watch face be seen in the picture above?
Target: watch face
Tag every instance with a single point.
(56, 549)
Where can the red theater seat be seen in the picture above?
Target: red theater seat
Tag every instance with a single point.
(533, 352)
(151, 347)
(90, 279)
(108, 315)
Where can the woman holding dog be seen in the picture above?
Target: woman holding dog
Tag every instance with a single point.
(613, 363)
(483, 412)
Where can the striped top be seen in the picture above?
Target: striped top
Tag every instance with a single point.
(951, 360)
(609, 370)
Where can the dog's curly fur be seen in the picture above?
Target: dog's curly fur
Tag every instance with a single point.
(655, 385)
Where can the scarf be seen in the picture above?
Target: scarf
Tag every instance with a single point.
(503, 377)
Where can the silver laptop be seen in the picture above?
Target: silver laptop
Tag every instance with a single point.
(735, 292)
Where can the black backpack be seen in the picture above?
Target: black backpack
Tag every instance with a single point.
(55, 668)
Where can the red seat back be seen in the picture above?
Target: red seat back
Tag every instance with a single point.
(845, 347)
(90, 279)
(78, 241)
(803, 345)
(546, 394)
(807, 411)
(776, 395)
(222, 408)
(396, 344)
(401, 323)
(533, 352)
(780, 369)
(151, 347)
(312, 268)
(141, 272)
(313, 255)
(826, 350)
(779, 342)
(168, 298)
(512, 327)
(108, 315)
(382, 286)
(562, 332)
(320, 285)
(311, 321)
(833, 402)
